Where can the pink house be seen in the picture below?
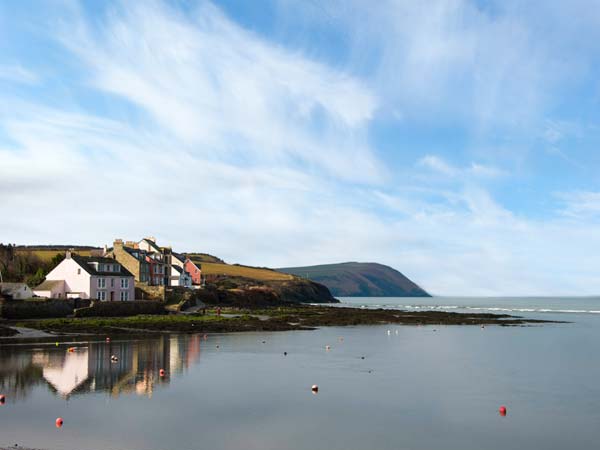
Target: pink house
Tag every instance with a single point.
(88, 277)
(194, 271)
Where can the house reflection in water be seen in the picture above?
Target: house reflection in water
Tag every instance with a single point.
(90, 368)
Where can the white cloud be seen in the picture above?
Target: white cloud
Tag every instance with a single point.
(236, 146)
(474, 170)
(18, 74)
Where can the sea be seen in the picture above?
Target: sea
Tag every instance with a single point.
(379, 387)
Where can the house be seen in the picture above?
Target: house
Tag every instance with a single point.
(50, 289)
(157, 269)
(133, 259)
(99, 278)
(194, 271)
(180, 277)
(16, 291)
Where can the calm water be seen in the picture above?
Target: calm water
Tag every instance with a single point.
(416, 388)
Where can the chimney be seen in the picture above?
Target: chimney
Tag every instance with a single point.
(118, 243)
(68, 254)
(151, 238)
(105, 250)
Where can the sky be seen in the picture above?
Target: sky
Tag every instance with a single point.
(454, 140)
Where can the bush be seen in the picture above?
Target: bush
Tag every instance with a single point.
(18, 309)
(121, 309)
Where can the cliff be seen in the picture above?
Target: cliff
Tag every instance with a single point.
(354, 279)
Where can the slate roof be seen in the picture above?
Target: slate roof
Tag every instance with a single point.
(85, 261)
(48, 285)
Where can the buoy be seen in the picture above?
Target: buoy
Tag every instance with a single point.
(341, 339)
(327, 347)
(362, 357)
(284, 353)
(502, 410)
(206, 336)
(71, 349)
(264, 342)
(2, 399)
(107, 339)
(217, 346)
(59, 422)
(389, 332)
(113, 358)
(57, 344)
(161, 372)
(482, 327)
(315, 388)
(396, 331)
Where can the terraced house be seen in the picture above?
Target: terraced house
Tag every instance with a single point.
(98, 278)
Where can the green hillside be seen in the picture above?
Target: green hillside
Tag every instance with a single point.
(354, 279)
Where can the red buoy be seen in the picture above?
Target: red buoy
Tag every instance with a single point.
(502, 410)
(59, 422)
(161, 372)
(2, 399)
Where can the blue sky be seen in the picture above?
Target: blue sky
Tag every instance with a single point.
(454, 140)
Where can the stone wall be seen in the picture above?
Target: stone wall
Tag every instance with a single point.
(145, 292)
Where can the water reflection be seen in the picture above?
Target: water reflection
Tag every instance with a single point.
(91, 367)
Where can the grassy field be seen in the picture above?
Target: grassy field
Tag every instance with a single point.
(243, 271)
(46, 255)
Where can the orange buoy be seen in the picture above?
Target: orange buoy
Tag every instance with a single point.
(2, 399)
(314, 388)
(502, 410)
(59, 422)
(161, 372)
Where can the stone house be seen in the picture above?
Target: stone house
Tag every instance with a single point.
(16, 291)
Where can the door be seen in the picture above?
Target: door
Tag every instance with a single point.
(112, 296)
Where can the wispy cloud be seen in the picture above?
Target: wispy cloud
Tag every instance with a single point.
(18, 74)
(213, 137)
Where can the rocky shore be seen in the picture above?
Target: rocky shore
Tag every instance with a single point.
(282, 318)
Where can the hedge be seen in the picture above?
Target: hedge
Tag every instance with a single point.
(19, 309)
(121, 309)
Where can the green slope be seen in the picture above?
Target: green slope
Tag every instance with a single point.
(354, 279)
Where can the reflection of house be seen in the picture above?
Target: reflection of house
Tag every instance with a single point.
(66, 375)
(88, 277)
(16, 291)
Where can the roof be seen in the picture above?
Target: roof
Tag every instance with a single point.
(48, 285)
(178, 269)
(10, 288)
(179, 256)
(85, 261)
(152, 244)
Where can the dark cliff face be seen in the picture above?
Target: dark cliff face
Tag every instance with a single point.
(245, 292)
(360, 280)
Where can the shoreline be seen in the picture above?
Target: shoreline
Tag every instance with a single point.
(284, 318)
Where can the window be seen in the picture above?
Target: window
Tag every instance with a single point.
(112, 282)
(124, 296)
(101, 295)
(101, 267)
(101, 283)
(78, 271)
(124, 283)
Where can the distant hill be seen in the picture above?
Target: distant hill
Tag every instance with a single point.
(354, 279)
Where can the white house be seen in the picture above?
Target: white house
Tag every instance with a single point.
(180, 277)
(17, 291)
(97, 278)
